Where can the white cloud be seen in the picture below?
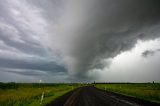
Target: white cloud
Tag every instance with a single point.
(130, 66)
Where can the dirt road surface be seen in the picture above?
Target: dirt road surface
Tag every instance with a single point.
(91, 96)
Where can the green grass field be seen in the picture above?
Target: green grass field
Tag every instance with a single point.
(146, 91)
(29, 94)
(12, 94)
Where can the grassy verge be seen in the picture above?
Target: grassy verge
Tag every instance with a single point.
(30, 94)
(146, 91)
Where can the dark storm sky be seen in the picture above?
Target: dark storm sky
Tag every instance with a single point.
(72, 40)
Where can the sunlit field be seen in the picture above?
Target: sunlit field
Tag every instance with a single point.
(12, 94)
(146, 91)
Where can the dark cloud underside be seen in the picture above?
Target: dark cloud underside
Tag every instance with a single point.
(71, 36)
(108, 28)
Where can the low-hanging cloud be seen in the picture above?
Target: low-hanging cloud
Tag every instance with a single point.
(80, 36)
(147, 53)
(91, 32)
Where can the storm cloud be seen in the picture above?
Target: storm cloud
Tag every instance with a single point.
(92, 32)
(21, 49)
(150, 52)
(71, 36)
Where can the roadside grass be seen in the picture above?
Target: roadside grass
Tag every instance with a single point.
(30, 94)
(145, 91)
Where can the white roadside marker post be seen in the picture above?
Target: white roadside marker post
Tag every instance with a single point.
(40, 81)
(42, 97)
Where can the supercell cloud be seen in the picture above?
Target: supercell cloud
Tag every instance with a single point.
(70, 38)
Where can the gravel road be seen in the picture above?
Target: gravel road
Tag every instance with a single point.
(91, 96)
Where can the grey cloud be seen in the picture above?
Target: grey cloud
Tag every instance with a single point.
(31, 64)
(22, 49)
(27, 75)
(26, 47)
(25, 72)
(98, 30)
(51, 9)
(147, 53)
(85, 34)
(16, 31)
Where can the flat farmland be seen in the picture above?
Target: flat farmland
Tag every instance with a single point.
(13, 94)
(144, 91)
(108, 94)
